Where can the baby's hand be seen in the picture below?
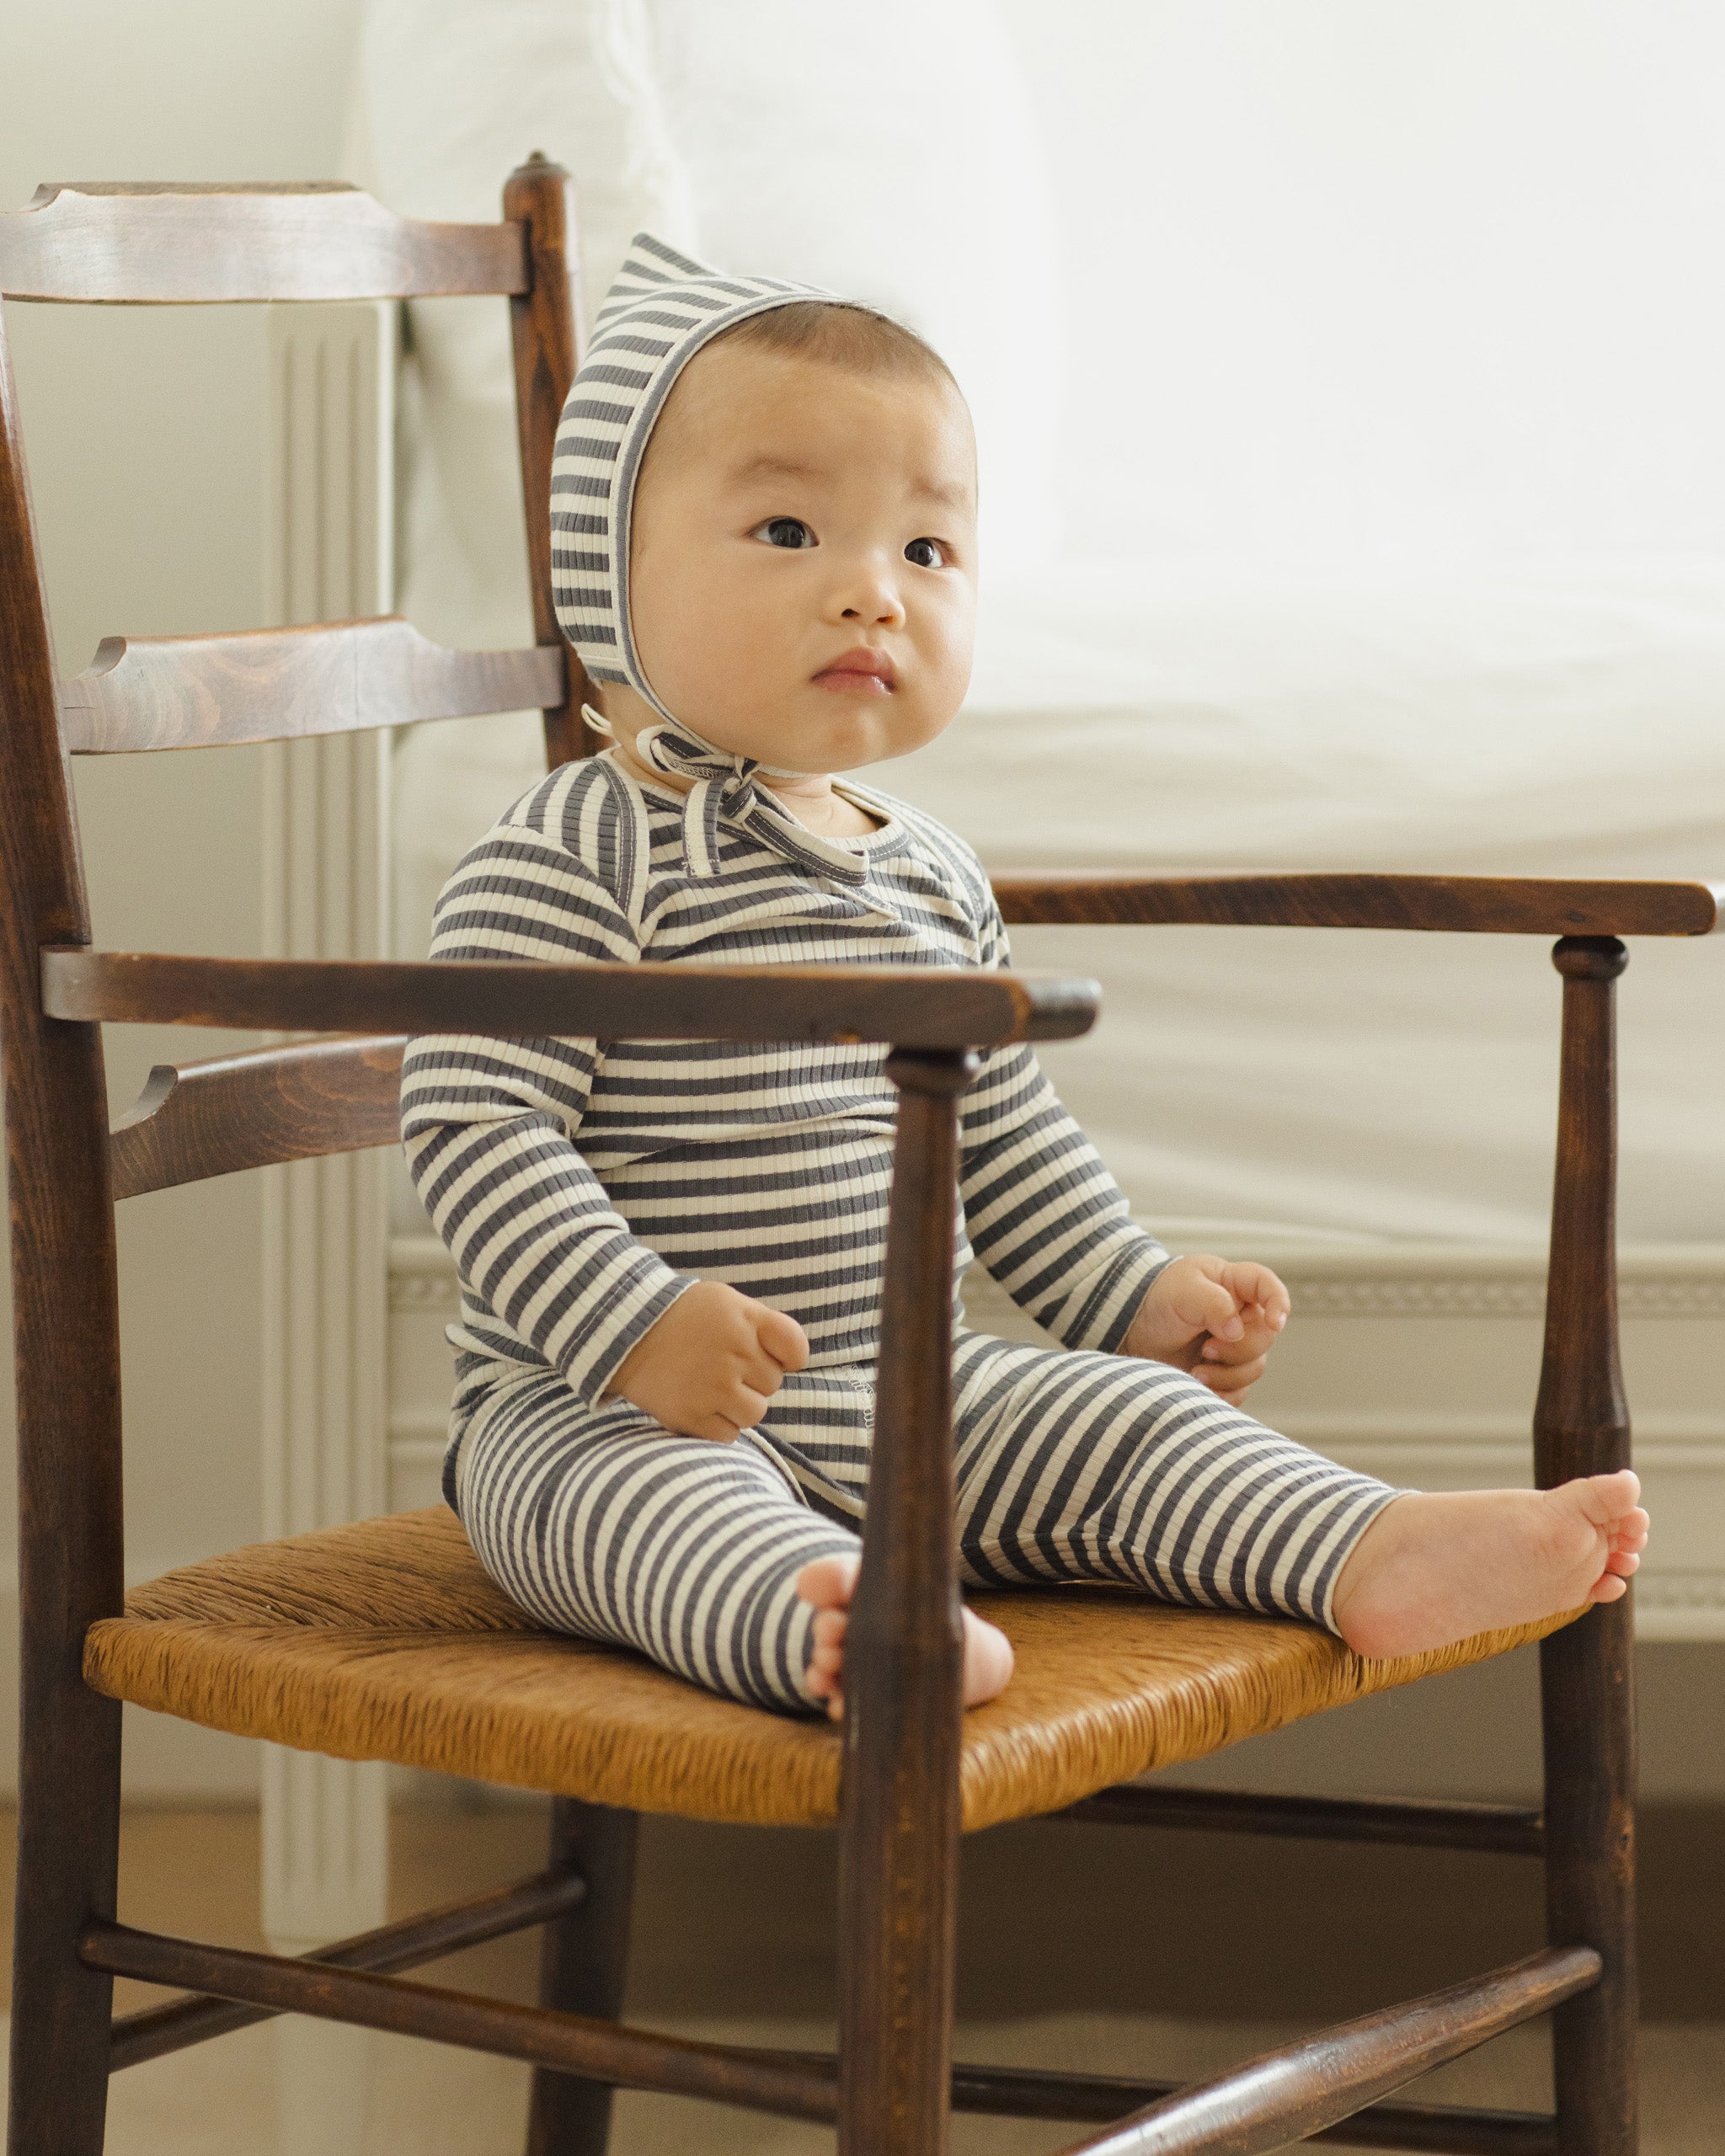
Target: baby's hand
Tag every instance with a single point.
(1216, 1320)
(710, 1365)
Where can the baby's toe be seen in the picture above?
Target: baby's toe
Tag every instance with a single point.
(828, 1583)
(988, 1660)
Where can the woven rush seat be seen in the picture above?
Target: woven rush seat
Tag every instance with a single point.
(386, 1641)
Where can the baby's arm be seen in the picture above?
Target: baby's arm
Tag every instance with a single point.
(1053, 1226)
(487, 1127)
(1043, 1212)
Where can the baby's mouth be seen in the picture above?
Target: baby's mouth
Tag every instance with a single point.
(861, 672)
(853, 684)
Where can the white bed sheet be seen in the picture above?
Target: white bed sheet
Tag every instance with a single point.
(1541, 719)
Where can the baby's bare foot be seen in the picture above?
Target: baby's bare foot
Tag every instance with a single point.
(1434, 1568)
(829, 1583)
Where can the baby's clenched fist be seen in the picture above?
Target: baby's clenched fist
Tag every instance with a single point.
(1214, 1319)
(709, 1366)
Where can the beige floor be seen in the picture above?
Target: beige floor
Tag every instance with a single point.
(1230, 1945)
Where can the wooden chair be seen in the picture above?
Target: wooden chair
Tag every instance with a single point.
(384, 1640)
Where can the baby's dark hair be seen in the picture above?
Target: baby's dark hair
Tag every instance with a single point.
(843, 334)
(835, 333)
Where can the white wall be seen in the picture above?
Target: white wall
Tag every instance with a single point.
(143, 428)
(1384, 279)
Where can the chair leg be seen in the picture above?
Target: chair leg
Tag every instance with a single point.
(583, 1962)
(903, 1669)
(68, 1849)
(1581, 1427)
(1587, 1688)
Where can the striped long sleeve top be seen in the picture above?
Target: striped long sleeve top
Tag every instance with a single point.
(581, 1189)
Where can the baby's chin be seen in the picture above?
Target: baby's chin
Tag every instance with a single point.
(821, 731)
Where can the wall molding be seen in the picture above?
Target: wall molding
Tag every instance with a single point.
(1491, 1295)
(1474, 1279)
(1664, 1438)
(328, 550)
(1440, 1280)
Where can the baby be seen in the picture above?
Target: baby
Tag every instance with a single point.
(764, 550)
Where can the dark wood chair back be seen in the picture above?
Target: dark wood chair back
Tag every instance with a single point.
(163, 245)
(155, 245)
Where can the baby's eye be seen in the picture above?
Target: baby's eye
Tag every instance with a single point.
(789, 532)
(939, 545)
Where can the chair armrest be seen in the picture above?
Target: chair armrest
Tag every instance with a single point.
(1491, 905)
(911, 1006)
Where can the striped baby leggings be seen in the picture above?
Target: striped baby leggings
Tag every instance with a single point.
(1069, 1465)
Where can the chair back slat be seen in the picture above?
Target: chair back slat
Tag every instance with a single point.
(314, 240)
(274, 684)
(193, 1120)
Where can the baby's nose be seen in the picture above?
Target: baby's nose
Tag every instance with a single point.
(877, 601)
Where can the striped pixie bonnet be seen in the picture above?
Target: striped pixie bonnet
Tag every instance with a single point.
(661, 308)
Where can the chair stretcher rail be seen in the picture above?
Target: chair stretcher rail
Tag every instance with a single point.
(1491, 905)
(1419, 1822)
(911, 1006)
(156, 2031)
(1298, 2089)
(1446, 2129)
(233, 1989)
(572, 2043)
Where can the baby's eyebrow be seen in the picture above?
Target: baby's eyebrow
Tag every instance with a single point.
(949, 497)
(768, 464)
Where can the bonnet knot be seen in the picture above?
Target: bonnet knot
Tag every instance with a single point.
(725, 787)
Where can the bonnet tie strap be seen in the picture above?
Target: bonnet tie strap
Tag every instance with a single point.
(724, 789)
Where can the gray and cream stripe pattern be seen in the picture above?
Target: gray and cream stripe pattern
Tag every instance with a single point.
(581, 1192)
(661, 308)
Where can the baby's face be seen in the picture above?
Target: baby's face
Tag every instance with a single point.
(789, 512)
